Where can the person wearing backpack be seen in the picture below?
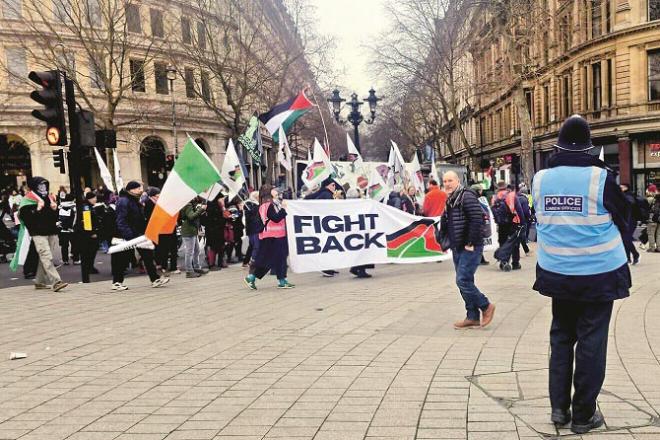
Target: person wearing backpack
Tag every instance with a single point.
(253, 226)
(509, 217)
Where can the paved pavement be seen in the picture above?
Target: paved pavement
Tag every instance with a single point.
(333, 359)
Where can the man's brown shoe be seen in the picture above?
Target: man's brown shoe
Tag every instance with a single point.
(466, 323)
(487, 315)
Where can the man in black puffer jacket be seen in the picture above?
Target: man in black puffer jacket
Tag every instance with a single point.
(463, 221)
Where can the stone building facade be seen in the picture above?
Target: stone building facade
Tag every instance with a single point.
(150, 105)
(596, 58)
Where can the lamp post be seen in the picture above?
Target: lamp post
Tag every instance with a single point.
(355, 116)
(171, 76)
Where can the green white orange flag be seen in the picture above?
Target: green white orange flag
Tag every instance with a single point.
(232, 171)
(23, 241)
(193, 173)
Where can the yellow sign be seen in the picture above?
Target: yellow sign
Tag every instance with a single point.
(53, 135)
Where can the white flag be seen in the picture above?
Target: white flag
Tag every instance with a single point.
(318, 169)
(353, 152)
(377, 189)
(433, 175)
(417, 178)
(105, 173)
(395, 163)
(232, 172)
(284, 152)
(601, 155)
(119, 182)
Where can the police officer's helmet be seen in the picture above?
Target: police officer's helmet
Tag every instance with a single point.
(574, 135)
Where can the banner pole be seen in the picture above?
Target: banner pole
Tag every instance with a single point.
(327, 143)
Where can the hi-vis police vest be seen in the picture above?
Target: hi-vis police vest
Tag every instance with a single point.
(271, 229)
(576, 235)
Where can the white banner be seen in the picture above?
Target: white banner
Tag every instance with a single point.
(333, 234)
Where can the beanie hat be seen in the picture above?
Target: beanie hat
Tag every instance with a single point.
(327, 181)
(153, 191)
(574, 135)
(132, 185)
(90, 195)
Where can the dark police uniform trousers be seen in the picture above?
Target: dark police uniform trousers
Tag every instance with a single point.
(578, 333)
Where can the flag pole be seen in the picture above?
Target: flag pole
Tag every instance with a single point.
(327, 143)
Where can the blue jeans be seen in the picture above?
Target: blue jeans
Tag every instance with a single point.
(466, 264)
(191, 256)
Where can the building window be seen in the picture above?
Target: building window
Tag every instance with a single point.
(97, 73)
(565, 31)
(133, 18)
(94, 13)
(585, 88)
(16, 65)
(160, 74)
(201, 35)
(654, 10)
(206, 86)
(546, 103)
(546, 49)
(137, 75)
(67, 62)
(597, 87)
(189, 78)
(610, 87)
(596, 18)
(608, 16)
(566, 95)
(157, 23)
(11, 9)
(654, 75)
(529, 97)
(186, 33)
(62, 10)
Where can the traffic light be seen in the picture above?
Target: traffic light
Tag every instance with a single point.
(51, 97)
(58, 160)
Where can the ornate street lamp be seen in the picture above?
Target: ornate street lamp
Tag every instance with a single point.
(355, 116)
(171, 76)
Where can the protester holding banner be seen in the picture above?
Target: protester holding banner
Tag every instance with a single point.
(462, 222)
(327, 192)
(409, 201)
(273, 249)
(358, 271)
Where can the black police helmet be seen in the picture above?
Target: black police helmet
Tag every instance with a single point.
(574, 135)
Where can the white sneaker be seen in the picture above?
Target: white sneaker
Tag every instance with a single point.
(160, 282)
(119, 286)
(178, 271)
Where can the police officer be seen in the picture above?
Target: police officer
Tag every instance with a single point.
(582, 266)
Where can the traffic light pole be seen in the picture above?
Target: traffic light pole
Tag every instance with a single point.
(75, 153)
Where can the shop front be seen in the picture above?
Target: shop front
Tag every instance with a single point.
(646, 163)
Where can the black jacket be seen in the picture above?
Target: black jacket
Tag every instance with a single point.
(252, 220)
(322, 194)
(463, 219)
(39, 222)
(131, 222)
(590, 288)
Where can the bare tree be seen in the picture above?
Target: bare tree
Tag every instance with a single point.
(89, 40)
(424, 55)
(518, 31)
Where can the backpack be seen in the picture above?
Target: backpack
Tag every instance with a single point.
(485, 229)
(641, 209)
(501, 212)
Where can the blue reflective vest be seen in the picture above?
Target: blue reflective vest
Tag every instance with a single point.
(576, 235)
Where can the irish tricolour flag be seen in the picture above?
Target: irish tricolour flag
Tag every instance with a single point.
(24, 239)
(285, 114)
(193, 173)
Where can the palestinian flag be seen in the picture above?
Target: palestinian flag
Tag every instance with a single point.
(193, 173)
(236, 174)
(285, 114)
(374, 191)
(24, 239)
(414, 241)
(314, 170)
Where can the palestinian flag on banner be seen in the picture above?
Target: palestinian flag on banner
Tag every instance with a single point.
(24, 239)
(377, 189)
(193, 173)
(285, 114)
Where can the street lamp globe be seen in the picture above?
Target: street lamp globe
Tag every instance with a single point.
(336, 101)
(372, 99)
(171, 72)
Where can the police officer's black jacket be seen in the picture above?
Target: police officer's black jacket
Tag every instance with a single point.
(463, 219)
(601, 287)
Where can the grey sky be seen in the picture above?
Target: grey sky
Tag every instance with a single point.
(352, 23)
